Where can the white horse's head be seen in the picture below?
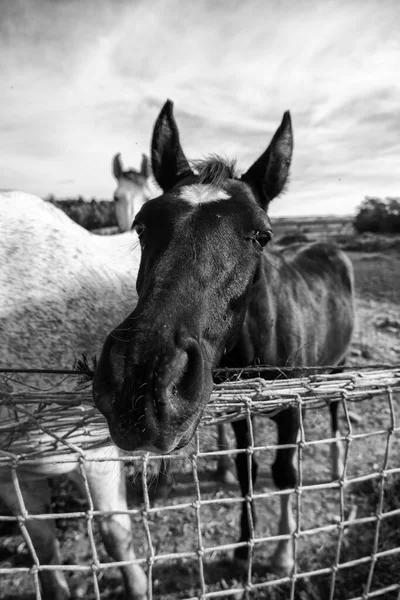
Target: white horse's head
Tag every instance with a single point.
(133, 190)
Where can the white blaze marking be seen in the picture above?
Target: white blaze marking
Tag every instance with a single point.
(199, 193)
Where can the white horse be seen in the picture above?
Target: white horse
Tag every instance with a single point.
(62, 288)
(134, 188)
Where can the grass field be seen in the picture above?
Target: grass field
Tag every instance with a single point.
(377, 339)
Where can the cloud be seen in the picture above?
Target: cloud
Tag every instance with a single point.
(85, 80)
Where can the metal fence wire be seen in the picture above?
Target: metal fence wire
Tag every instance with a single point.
(346, 540)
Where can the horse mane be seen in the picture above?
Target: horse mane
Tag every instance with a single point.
(214, 170)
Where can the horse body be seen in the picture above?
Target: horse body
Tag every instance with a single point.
(54, 275)
(301, 313)
(210, 294)
(58, 287)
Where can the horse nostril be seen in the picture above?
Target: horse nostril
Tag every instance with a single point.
(190, 381)
(181, 378)
(111, 365)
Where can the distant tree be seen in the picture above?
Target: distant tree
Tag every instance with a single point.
(90, 215)
(378, 216)
(394, 214)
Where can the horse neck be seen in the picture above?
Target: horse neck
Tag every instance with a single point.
(268, 283)
(265, 335)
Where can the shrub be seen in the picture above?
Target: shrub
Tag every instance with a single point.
(368, 242)
(378, 216)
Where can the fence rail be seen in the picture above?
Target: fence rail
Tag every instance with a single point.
(60, 426)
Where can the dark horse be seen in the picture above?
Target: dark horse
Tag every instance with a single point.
(211, 293)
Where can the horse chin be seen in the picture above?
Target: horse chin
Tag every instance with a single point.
(187, 436)
(129, 440)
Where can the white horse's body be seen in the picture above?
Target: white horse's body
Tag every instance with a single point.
(61, 289)
(60, 284)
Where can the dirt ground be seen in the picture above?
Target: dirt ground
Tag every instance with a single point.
(376, 340)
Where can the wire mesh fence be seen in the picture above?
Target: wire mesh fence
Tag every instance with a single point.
(346, 534)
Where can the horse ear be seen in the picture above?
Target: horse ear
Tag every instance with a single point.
(145, 167)
(168, 161)
(118, 169)
(268, 175)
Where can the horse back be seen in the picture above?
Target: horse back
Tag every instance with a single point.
(322, 262)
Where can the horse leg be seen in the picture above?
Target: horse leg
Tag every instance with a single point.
(242, 434)
(337, 449)
(284, 474)
(107, 487)
(224, 472)
(36, 495)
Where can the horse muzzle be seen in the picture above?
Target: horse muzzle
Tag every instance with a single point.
(156, 403)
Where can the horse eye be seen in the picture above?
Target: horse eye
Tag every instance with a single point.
(261, 237)
(139, 229)
(264, 237)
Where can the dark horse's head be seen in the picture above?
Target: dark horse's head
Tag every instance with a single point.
(202, 242)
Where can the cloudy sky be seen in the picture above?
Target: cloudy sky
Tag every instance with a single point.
(81, 80)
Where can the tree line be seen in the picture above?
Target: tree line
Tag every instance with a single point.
(93, 214)
(378, 216)
(374, 215)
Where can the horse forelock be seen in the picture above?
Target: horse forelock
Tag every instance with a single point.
(134, 176)
(214, 170)
(200, 193)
